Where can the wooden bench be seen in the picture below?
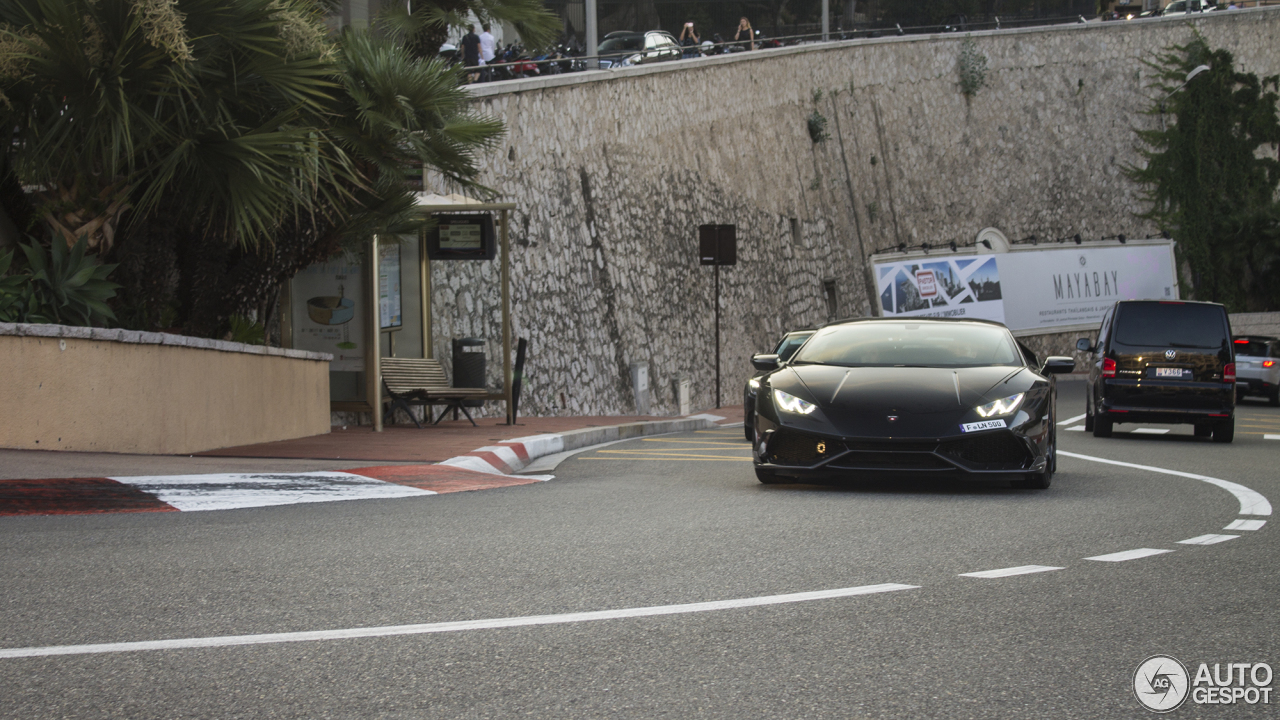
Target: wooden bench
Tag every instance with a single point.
(421, 381)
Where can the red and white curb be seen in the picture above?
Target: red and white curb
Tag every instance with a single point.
(491, 466)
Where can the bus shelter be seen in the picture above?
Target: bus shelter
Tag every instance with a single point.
(326, 316)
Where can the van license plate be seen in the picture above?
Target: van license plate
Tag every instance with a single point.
(1178, 373)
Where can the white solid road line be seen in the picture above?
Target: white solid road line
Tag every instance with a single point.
(1129, 555)
(1006, 572)
(1251, 502)
(1207, 539)
(1078, 428)
(1245, 525)
(389, 630)
(1150, 431)
(1068, 421)
(1271, 437)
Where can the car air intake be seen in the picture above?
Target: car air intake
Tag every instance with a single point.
(990, 451)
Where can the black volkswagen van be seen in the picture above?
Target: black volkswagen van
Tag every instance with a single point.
(1162, 362)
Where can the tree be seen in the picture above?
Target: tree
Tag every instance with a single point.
(215, 147)
(1211, 175)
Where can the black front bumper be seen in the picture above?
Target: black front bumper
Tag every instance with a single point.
(996, 453)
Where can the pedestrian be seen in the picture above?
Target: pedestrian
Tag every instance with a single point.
(689, 41)
(471, 53)
(745, 33)
(488, 50)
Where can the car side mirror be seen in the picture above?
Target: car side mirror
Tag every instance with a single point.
(1058, 365)
(1084, 345)
(764, 362)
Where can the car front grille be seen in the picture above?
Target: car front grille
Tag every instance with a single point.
(865, 460)
(990, 451)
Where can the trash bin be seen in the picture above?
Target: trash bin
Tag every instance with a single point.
(469, 366)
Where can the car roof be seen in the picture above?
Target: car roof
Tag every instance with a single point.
(1255, 338)
(1169, 302)
(914, 319)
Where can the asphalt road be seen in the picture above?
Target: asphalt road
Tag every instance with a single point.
(655, 523)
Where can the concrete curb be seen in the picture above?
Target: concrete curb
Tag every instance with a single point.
(511, 456)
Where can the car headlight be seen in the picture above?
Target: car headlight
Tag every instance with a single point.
(754, 383)
(793, 404)
(1001, 407)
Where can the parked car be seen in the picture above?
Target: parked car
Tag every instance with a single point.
(1162, 362)
(624, 48)
(1187, 7)
(895, 397)
(785, 348)
(1257, 367)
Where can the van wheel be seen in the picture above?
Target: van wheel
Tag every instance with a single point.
(1203, 430)
(1274, 397)
(1225, 431)
(1102, 427)
(1088, 422)
(750, 433)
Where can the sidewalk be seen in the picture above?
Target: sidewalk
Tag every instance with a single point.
(406, 461)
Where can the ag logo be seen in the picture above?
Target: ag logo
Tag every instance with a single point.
(1161, 683)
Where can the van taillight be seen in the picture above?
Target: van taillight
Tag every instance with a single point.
(1229, 372)
(1109, 367)
(1268, 363)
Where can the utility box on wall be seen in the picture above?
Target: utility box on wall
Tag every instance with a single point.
(640, 385)
(682, 395)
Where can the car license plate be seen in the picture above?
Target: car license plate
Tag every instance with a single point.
(1175, 373)
(984, 425)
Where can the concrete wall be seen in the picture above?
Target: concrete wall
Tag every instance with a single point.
(1256, 324)
(614, 171)
(97, 390)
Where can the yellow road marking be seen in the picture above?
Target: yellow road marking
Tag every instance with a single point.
(690, 459)
(662, 456)
(694, 442)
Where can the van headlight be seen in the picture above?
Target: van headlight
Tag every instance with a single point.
(793, 404)
(1001, 407)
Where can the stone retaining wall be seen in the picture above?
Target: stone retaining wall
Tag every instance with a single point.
(614, 171)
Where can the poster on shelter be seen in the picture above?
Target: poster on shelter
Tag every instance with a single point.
(328, 312)
(959, 286)
(1029, 289)
(389, 308)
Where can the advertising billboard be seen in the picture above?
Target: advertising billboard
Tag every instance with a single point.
(1034, 289)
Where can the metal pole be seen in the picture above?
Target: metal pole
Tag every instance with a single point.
(826, 20)
(717, 326)
(506, 320)
(424, 285)
(593, 34)
(373, 367)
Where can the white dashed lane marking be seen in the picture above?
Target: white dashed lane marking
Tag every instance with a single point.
(1271, 437)
(1068, 421)
(1129, 555)
(1246, 525)
(1207, 539)
(1150, 431)
(1078, 428)
(1006, 572)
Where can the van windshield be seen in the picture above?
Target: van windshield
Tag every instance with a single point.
(1165, 324)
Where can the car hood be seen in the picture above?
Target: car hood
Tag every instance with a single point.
(926, 402)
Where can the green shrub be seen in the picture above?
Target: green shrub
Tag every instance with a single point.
(62, 286)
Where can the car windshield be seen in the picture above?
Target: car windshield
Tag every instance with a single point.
(1254, 348)
(621, 44)
(1170, 324)
(789, 345)
(912, 344)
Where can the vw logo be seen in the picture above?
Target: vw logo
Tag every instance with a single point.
(1170, 354)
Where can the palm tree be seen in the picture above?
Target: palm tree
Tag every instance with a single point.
(215, 147)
